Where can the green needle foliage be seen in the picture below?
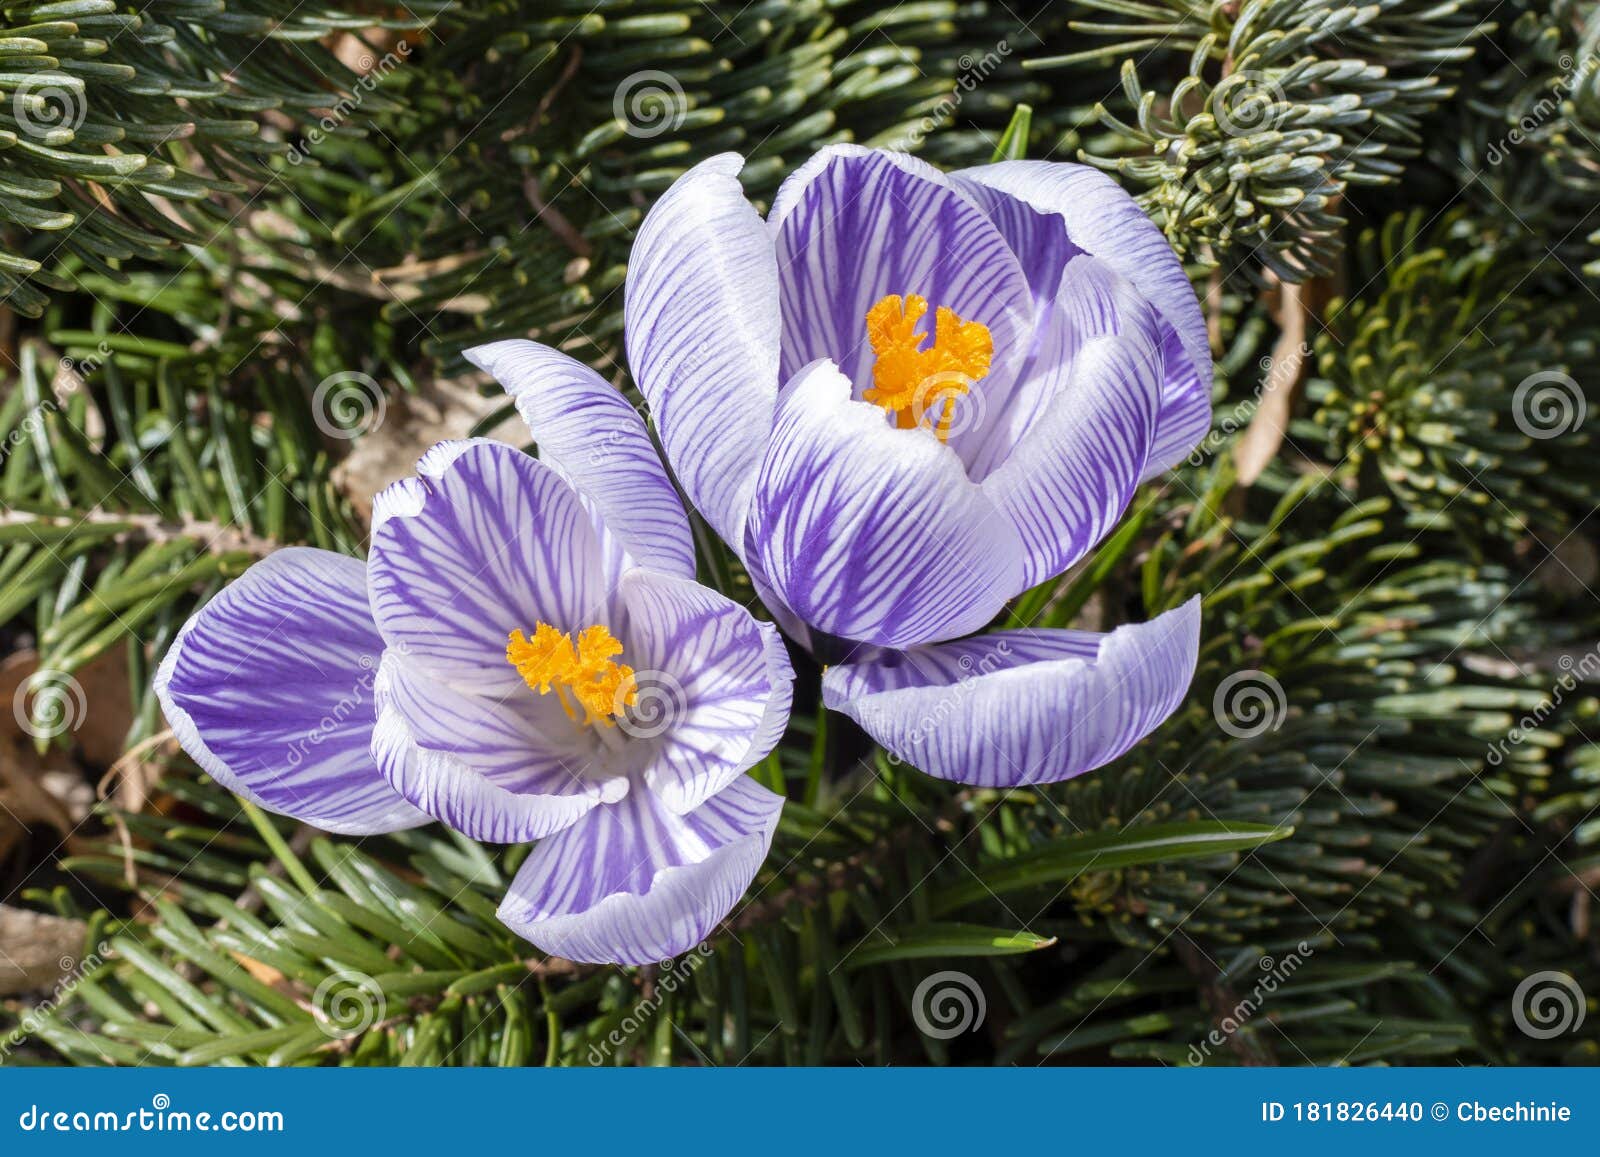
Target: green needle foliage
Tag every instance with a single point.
(243, 251)
(1419, 374)
(1285, 106)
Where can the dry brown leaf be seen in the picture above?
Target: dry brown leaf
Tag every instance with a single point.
(109, 717)
(409, 427)
(1297, 309)
(26, 800)
(37, 951)
(99, 728)
(50, 789)
(265, 973)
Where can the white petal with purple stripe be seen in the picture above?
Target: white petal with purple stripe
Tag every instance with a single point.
(854, 225)
(872, 533)
(594, 439)
(702, 333)
(714, 686)
(269, 687)
(484, 541)
(1034, 202)
(1069, 477)
(497, 768)
(1022, 707)
(635, 883)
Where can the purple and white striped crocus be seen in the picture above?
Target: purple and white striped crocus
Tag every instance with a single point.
(524, 656)
(907, 396)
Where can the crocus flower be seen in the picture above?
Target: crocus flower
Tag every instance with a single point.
(905, 397)
(525, 655)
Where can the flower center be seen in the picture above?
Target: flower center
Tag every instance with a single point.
(581, 673)
(921, 385)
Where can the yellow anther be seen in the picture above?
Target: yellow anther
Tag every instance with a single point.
(581, 673)
(914, 383)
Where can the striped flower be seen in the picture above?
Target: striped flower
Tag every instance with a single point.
(905, 397)
(524, 656)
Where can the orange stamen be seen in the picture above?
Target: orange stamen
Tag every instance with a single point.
(580, 671)
(911, 382)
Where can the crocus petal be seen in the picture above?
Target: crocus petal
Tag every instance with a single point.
(501, 769)
(484, 541)
(1030, 202)
(1185, 407)
(635, 883)
(1070, 476)
(1022, 707)
(854, 225)
(589, 434)
(702, 333)
(872, 533)
(714, 685)
(269, 688)
(791, 623)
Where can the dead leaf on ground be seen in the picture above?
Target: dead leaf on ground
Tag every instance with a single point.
(37, 951)
(100, 716)
(411, 425)
(52, 789)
